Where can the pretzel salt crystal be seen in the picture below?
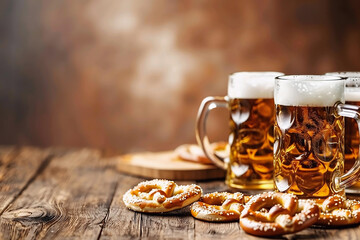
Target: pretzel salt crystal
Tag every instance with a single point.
(286, 214)
(219, 207)
(338, 211)
(160, 196)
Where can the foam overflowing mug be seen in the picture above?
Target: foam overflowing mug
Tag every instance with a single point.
(309, 136)
(250, 101)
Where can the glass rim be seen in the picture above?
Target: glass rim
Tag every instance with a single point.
(256, 73)
(352, 78)
(310, 78)
(348, 74)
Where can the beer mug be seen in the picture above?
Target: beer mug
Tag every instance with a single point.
(250, 101)
(352, 137)
(309, 136)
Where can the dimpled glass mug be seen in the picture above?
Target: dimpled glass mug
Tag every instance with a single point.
(309, 136)
(352, 137)
(250, 101)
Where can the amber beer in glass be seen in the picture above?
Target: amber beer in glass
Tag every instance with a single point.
(251, 105)
(309, 136)
(352, 96)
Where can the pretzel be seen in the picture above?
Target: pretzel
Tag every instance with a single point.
(194, 153)
(338, 211)
(219, 207)
(160, 196)
(273, 214)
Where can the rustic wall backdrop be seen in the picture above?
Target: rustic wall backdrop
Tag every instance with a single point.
(130, 74)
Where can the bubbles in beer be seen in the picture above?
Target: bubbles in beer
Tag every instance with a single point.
(309, 176)
(307, 150)
(252, 138)
(325, 145)
(264, 110)
(352, 96)
(263, 168)
(299, 145)
(251, 120)
(352, 140)
(251, 155)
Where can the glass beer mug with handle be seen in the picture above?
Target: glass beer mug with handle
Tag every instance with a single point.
(250, 101)
(309, 136)
(352, 137)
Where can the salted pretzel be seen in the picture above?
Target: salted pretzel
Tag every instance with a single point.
(338, 211)
(160, 196)
(219, 207)
(273, 214)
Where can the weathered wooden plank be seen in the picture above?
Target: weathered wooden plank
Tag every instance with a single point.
(178, 224)
(121, 222)
(18, 167)
(70, 199)
(79, 196)
(127, 224)
(173, 225)
(206, 230)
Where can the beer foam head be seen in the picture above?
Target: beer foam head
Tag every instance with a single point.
(344, 74)
(352, 78)
(352, 94)
(352, 84)
(309, 90)
(252, 85)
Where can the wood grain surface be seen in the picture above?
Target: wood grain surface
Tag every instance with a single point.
(166, 165)
(77, 194)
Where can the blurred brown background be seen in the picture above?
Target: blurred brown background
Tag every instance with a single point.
(130, 74)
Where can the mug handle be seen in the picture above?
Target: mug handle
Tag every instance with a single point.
(206, 106)
(353, 175)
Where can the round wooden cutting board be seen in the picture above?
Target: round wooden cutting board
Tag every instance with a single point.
(166, 165)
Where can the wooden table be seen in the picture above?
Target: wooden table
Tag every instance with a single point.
(77, 194)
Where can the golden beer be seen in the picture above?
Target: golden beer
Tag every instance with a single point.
(351, 133)
(309, 136)
(308, 150)
(250, 100)
(251, 143)
(351, 140)
(352, 96)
